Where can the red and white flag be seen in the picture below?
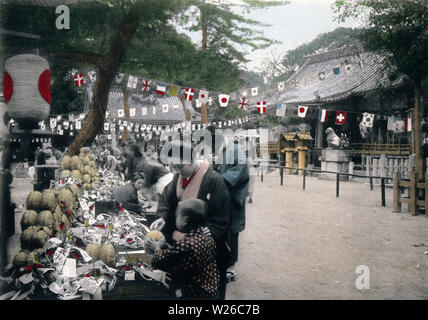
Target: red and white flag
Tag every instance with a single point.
(301, 111)
(188, 94)
(243, 104)
(407, 124)
(79, 80)
(261, 106)
(146, 86)
(203, 96)
(340, 117)
(160, 89)
(223, 99)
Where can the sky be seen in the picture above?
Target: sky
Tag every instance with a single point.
(293, 24)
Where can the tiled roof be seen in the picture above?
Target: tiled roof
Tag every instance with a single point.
(347, 71)
(156, 113)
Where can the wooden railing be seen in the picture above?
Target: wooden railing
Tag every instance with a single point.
(380, 148)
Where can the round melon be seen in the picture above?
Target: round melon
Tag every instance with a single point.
(57, 214)
(27, 237)
(93, 249)
(156, 235)
(66, 163)
(28, 219)
(66, 172)
(75, 190)
(33, 200)
(75, 163)
(20, 258)
(46, 219)
(66, 221)
(86, 160)
(48, 201)
(66, 199)
(87, 186)
(108, 254)
(87, 178)
(40, 237)
(76, 175)
(32, 258)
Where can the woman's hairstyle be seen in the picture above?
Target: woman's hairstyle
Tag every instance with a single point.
(134, 148)
(195, 210)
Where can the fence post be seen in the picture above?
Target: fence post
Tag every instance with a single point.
(281, 170)
(382, 184)
(413, 192)
(261, 173)
(371, 184)
(304, 179)
(337, 185)
(396, 203)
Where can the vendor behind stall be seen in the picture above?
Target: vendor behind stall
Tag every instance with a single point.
(127, 195)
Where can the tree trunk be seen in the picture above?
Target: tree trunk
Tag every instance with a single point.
(416, 134)
(107, 67)
(204, 31)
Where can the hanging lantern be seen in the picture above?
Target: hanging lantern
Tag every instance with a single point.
(27, 89)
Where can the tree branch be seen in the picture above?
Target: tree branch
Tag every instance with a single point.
(87, 58)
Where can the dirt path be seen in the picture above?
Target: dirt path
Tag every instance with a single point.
(307, 244)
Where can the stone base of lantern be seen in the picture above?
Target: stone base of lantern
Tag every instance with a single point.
(335, 161)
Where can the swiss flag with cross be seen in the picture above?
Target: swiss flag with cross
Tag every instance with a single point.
(78, 80)
(340, 117)
(261, 106)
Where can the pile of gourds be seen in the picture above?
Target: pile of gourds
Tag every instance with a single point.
(83, 168)
(51, 212)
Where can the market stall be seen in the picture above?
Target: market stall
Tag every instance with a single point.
(78, 243)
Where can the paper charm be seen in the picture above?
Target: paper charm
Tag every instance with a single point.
(407, 124)
(92, 76)
(42, 125)
(175, 106)
(146, 85)
(261, 106)
(66, 124)
(368, 120)
(82, 116)
(52, 122)
(254, 91)
(125, 123)
(58, 117)
(78, 125)
(173, 91)
(301, 111)
(243, 103)
(160, 89)
(281, 85)
(119, 78)
(210, 100)
(223, 99)
(144, 111)
(109, 137)
(61, 132)
(120, 113)
(340, 117)
(154, 110)
(165, 108)
(132, 112)
(189, 93)
(321, 75)
(280, 110)
(132, 82)
(78, 80)
(198, 103)
(106, 126)
(203, 96)
(74, 71)
(348, 68)
(336, 71)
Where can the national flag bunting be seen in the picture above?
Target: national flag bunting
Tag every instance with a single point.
(261, 106)
(301, 111)
(340, 117)
(322, 115)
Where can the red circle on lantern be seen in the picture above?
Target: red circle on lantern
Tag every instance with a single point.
(224, 100)
(302, 110)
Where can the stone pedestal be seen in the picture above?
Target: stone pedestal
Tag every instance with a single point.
(336, 161)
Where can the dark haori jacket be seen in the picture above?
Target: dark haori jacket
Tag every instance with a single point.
(127, 196)
(213, 191)
(236, 174)
(192, 265)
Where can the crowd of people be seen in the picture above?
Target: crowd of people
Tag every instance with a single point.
(200, 209)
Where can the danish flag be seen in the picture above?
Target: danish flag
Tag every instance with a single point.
(188, 94)
(78, 80)
(261, 107)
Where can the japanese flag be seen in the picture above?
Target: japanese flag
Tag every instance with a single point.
(340, 117)
(281, 85)
(132, 82)
(223, 99)
(301, 111)
(106, 126)
(120, 113)
(164, 108)
(203, 96)
(254, 91)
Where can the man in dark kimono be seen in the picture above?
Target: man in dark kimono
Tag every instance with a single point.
(234, 170)
(197, 180)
